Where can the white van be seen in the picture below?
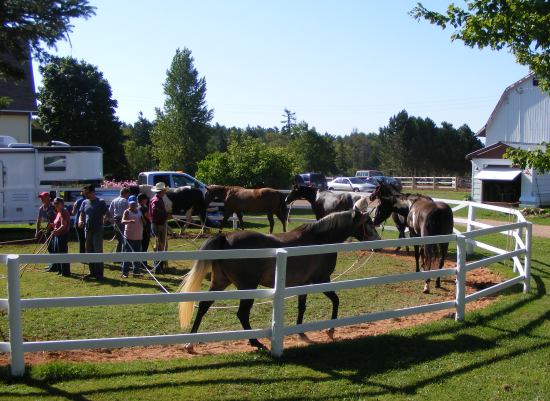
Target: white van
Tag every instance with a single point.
(368, 173)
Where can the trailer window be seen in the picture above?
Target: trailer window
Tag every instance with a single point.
(55, 163)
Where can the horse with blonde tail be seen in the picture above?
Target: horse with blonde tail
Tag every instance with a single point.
(248, 274)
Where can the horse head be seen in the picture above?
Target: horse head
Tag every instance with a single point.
(297, 192)
(365, 229)
(215, 193)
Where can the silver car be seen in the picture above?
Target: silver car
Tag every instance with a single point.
(354, 184)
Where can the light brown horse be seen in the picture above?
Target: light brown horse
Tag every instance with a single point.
(250, 273)
(238, 200)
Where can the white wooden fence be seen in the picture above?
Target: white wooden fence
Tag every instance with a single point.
(429, 182)
(519, 231)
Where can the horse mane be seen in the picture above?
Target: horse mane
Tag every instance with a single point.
(329, 225)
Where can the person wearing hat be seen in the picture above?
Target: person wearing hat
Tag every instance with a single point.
(116, 209)
(159, 217)
(133, 234)
(61, 226)
(93, 213)
(46, 214)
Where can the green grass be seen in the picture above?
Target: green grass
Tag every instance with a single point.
(498, 353)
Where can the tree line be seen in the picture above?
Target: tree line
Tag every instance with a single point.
(76, 106)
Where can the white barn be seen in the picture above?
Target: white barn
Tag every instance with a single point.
(521, 119)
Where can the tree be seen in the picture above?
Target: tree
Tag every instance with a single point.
(35, 23)
(250, 163)
(137, 147)
(312, 151)
(289, 121)
(521, 26)
(537, 159)
(76, 106)
(180, 136)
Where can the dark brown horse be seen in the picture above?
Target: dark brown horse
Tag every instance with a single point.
(424, 217)
(238, 200)
(250, 273)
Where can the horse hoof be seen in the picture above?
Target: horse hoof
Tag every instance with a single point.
(189, 348)
(330, 334)
(426, 290)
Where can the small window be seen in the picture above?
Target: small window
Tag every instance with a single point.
(182, 181)
(162, 178)
(55, 163)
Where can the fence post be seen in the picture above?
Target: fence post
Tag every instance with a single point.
(471, 217)
(460, 300)
(527, 259)
(434, 180)
(17, 355)
(278, 316)
(413, 182)
(235, 221)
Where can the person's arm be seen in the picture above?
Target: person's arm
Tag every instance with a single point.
(38, 222)
(76, 206)
(125, 219)
(81, 216)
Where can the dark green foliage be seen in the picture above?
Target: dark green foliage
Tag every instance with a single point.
(138, 148)
(416, 146)
(35, 23)
(76, 106)
(249, 163)
(181, 134)
(312, 151)
(357, 151)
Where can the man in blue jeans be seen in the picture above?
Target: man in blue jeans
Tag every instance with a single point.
(93, 213)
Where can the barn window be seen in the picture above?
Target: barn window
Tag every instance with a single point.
(535, 82)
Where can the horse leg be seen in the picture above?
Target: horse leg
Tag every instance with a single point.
(282, 216)
(401, 235)
(417, 257)
(226, 215)
(335, 303)
(202, 309)
(244, 317)
(443, 248)
(301, 310)
(271, 222)
(241, 221)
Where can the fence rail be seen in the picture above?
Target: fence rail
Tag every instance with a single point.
(430, 182)
(520, 231)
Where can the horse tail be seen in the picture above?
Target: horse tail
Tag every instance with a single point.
(192, 281)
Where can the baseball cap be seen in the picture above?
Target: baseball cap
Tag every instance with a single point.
(42, 194)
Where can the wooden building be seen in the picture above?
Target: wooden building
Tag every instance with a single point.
(521, 119)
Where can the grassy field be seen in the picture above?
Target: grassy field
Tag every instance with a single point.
(499, 353)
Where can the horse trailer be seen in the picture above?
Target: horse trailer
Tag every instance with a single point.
(28, 170)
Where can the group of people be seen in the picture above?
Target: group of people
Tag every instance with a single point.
(134, 220)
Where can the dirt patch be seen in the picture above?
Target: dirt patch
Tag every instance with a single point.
(475, 280)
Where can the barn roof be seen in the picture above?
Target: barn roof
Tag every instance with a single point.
(482, 132)
(494, 151)
(21, 93)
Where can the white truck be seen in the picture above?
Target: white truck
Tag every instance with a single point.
(28, 170)
(173, 179)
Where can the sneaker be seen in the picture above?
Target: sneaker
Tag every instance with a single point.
(124, 276)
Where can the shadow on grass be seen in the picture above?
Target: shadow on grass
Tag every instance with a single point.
(356, 361)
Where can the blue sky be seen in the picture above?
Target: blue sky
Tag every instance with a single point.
(339, 65)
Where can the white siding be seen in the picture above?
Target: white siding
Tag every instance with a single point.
(15, 125)
(522, 116)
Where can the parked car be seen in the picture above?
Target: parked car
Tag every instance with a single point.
(355, 184)
(314, 180)
(368, 173)
(385, 179)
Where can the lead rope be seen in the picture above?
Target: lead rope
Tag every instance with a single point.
(142, 264)
(41, 248)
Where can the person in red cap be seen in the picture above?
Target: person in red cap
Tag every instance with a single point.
(46, 214)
